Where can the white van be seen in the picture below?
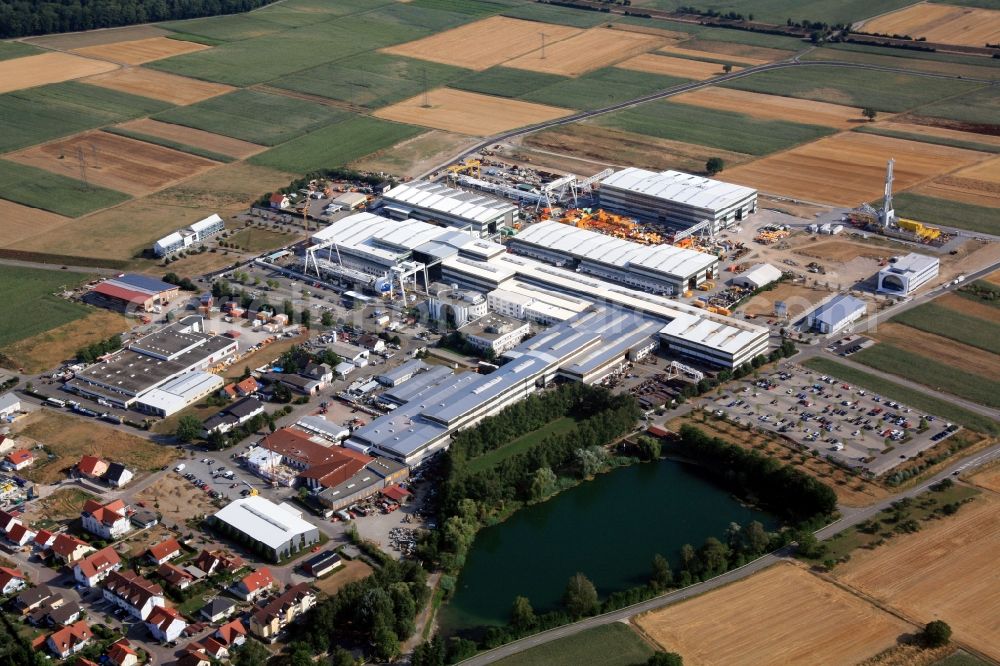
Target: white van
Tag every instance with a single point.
(179, 468)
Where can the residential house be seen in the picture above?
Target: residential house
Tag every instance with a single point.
(18, 460)
(241, 389)
(91, 467)
(194, 656)
(165, 624)
(44, 539)
(95, 567)
(20, 534)
(254, 585)
(164, 551)
(322, 564)
(280, 201)
(108, 521)
(6, 520)
(211, 647)
(34, 597)
(218, 609)
(268, 622)
(372, 343)
(321, 372)
(64, 614)
(69, 640)
(296, 383)
(175, 576)
(232, 633)
(232, 416)
(82, 661)
(118, 476)
(129, 590)
(68, 549)
(145, 518)
(11, 580)
(120, 653)
(218, 561)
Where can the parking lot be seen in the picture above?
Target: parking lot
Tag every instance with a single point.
(847, 423)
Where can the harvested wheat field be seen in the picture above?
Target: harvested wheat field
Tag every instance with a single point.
(946, 571)
(797, 298)
(670, 36)
(938, 132)
(159, 85)
(942, 350)
(469, 113)
(746, 61)
(586, 51)
(969, 307)
(58, 345)
(141, 50)
(115, 162)
(772, 107)
(988, 478)
(797, 619)
(189, 136)
(978, 185)
(842, 251)
(945, 24)
(682, 67)
(18, 222)
(485, 43)
(45, 68)
(849, 168)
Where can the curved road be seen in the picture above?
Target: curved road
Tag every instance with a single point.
(850, 517)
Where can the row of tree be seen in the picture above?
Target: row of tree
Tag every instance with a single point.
(94, 351)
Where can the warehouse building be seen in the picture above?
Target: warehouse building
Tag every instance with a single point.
(396, 376)
(188, 236)
(679, 200)
(455, 306)
(132, 293)
(451, 207)
(273, 530)
(907, 274)
(178, 393)
(836, 314)
(759, 275)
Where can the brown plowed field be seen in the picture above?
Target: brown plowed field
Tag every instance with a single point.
(941, 132)
(159, 85)
(141, 50)
(955, 354)
(45, 68)
(469, 113)
(115, 162)
(842, 251)
(978, 185)
(849, 168)
(736, 50)
(969, 307)
(796, 298)
(782, 615)
(692, 53)
(193, 137)
(682, 67)
(485, 43)
(989, 479)
(946, 571)
(946, 24)
(586, 51)
(772, 107)
(17, 222)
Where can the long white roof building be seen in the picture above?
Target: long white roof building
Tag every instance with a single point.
(424, 200)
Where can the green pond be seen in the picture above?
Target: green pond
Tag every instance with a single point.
(608, 528)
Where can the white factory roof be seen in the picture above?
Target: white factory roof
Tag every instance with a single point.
(912, 263)
(594, 246)
(439, 198)
(837, 309)
(271, 524)
(710, 332)
(680, 187)
(9, 401)
(207, 223)
(169, 239)
(762, 274)
(178, 393)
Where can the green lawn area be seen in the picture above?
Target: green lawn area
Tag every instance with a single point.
(608, 645)
(948, 323)
(776, 11)
(49, 191)
(40, 114)
(374, 81)
(336, 144)
(720, 129)
(911, 397)
(933, 210)
(507, 82)
(190, 607)
(167, 143)
(29, 293)
(521, 444)
(255, 116)
(926, 138)
(854, 87)
(961, 658)
(228, 28)
(979, 106)
(601, 88)
(479, 9)
(257, 240)
(10, 50)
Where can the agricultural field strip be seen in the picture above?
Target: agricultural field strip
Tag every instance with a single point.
(948, 323)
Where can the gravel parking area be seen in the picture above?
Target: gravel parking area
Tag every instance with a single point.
(847, 423)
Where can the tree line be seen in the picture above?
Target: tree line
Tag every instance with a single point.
(20, 18)
(94, 351)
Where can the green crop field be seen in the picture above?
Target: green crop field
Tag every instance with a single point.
(523, 443)
(708, 127)
(979, 106)
(507, 82)
(777, 11)
(167, 143)
(254, 116)
(601, 88)
(479, 9)
(418, 15)
(40, 114)
(962, 658)
(919, 61)
(910, 397)
(609, 645)
(545, 13)
(947, 213)
(228, 28)
(336, 144)
(854, 87)
(49, 191)
(374, 81)
(953, 325)
(926, 371)
(927, 138)
(29, 293)
(10, 50)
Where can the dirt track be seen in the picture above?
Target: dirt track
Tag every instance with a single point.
(159, 85)
(45, 68)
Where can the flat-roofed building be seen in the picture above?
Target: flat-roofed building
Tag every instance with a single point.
(188, 236)
(495, 334)
(451, 207)
(453, 305)
(907, 274)
(836, 314)
(273, 530)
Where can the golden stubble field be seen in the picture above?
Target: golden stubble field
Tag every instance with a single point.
(848, 168)
(159, 85)
(978, 184)
(946, 24)
(773, 107)
(469, 113)
(782, 615)
(45, 68)
(586, 51)
(194, 137)
(139, 51)
(946, 571)
(18, 222)
(680, 67)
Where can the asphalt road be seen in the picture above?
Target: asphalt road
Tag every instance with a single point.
(850, 517)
